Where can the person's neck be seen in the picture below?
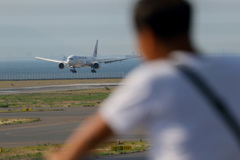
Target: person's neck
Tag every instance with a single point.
(179, 43)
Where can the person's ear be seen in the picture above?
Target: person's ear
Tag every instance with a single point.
(148, 44)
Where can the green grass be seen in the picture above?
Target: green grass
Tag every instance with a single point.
(38, 152)
(18, 121)
(27, 153)
(81, 98)
(137, 146)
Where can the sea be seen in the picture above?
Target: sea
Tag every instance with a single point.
(41, 70)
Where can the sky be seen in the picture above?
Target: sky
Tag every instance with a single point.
(57, 28)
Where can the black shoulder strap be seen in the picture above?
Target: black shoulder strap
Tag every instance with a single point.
(217, 104)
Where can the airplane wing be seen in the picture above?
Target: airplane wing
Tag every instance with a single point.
(51, 60)
(110, 60)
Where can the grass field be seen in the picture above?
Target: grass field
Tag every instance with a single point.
(38, 152)
(18, 121)
(31, 83)
(81, 98)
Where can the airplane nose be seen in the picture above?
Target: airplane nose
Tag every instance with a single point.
(69, 62)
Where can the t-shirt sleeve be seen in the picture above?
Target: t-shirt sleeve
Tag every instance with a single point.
(127, 107)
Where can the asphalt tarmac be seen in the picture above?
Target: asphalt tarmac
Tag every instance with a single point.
(50, 88)
(53, 127)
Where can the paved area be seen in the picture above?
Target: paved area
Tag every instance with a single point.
(54, 127)
(6, 91)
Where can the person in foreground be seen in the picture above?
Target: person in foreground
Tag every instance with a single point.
(182, 122)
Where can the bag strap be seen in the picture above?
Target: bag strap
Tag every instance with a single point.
(216, 102)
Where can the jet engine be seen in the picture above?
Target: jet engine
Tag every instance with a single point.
(62, 66)
(96, 65)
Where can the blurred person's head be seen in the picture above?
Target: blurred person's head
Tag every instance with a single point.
(163, 26)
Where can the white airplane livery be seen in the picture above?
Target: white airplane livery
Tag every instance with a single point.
(79, 61)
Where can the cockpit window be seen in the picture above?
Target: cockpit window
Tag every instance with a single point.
(71, 59)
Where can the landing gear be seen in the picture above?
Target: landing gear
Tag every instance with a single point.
(73, 70)
(93, 71)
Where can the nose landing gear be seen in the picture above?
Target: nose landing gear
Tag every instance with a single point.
(73, 70)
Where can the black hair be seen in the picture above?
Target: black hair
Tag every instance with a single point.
(166, 18)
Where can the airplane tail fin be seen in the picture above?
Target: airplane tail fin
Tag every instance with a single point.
(95, 50)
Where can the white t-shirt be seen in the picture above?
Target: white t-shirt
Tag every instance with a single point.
(182, 123)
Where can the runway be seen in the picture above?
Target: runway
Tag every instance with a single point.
(51, 88)
(54, 127)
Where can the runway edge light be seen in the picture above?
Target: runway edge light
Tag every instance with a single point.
(27, 109)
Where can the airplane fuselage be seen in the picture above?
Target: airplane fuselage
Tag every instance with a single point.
(80, 61)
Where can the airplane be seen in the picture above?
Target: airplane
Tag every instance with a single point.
(81, 61)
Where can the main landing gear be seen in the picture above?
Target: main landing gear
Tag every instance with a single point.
(73, 70)
(93, 71)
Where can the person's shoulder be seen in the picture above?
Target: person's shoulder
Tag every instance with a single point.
(149, 72)
(224, 57)
(223, 60)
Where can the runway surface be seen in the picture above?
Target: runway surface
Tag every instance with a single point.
(54, 127)
(50, 88)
